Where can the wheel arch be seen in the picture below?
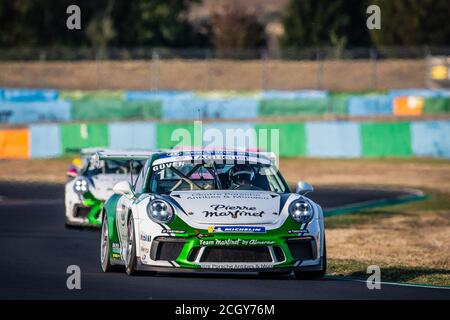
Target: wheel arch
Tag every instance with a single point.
(109, 211)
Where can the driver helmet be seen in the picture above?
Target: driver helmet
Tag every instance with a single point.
(241, 172)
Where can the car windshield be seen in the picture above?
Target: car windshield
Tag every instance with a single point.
(183, 176)
(112, 167)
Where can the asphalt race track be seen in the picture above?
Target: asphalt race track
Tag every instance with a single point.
(36, 249)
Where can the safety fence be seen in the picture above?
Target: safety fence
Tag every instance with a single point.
(37, 106)
(350, 139)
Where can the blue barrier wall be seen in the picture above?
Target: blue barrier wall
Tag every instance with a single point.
(300, 94)
(23, 112)
(137, 135)
(45, 141)
(333, 139)
(369, 105)
(29, 95)
(157, 95)
(233, 108)
(431, 138)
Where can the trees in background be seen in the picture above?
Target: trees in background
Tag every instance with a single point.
(413, 23)
(315, 23)
(164, 23)
(42, 23)
(233, 26)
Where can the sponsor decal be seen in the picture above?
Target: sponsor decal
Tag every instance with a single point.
(236, 242)
(172, 231)
(239, 229)
(145, 237)
(144, 250)
(202, 235)
(163, 166)
(221, 210)
(116, 256)
(115, 247)
(236, 265)
(298, 231)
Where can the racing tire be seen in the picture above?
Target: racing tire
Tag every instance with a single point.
(130, 249)
(311, 275)
(104, 248)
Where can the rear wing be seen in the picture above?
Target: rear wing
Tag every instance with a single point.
(123, 155)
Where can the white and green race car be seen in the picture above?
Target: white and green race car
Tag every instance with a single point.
(224, 210)
(91, 182)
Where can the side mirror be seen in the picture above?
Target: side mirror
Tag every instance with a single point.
(303, 188)
(124, 188)
(72, 172)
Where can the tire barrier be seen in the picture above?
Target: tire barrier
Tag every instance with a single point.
(339, 139)
(47, 105)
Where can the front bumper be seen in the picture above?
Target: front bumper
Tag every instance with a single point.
(172, 269)
(223, 253)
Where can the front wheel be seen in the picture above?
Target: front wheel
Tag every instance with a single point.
(310, 275)
(104, 248)
(130, 249)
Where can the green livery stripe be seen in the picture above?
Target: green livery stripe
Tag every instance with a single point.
(110, 209)
(386, 139)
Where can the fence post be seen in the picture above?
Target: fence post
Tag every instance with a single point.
(319, 70)
(264, 70)
(97, 68)
(209, 71)
(154, 71)
(374, 62)
(42, 58)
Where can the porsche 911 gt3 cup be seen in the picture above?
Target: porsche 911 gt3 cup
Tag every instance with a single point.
(212, 211)
(90, 184)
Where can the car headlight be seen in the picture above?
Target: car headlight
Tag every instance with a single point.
(81, 186)
(159, 211)
(301, 211)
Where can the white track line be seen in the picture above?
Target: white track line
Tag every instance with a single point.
(392, 283)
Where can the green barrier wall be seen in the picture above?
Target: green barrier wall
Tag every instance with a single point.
(292, 138)
(75, 136)
(437, 105)
(338, 103)
(284, 107)
(164, 133)
(386, 139)
(85, 110)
